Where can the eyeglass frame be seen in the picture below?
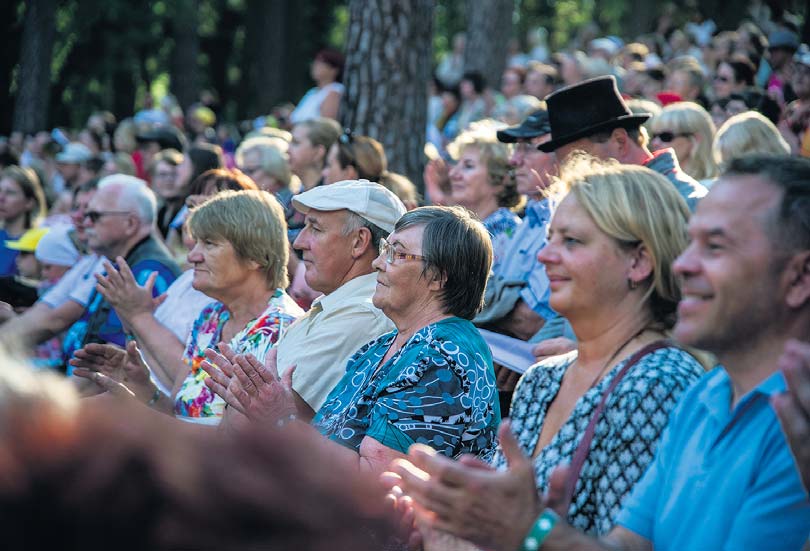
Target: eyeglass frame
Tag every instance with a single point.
(390, 254)
(95, 215)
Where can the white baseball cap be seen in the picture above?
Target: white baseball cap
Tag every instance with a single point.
(368, 200)
(56, 247)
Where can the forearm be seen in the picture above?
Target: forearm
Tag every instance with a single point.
(162, 349)
(41, 322)
(565, 538)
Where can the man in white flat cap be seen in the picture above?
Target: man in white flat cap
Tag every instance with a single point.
(341, 237)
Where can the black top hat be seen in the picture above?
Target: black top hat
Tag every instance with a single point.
(168, 137)
(585, 108)
(534, 125)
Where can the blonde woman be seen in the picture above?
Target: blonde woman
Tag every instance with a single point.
(609, 257)
(746, 134)
(687, 128)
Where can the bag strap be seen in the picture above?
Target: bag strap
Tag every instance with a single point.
(584, 447)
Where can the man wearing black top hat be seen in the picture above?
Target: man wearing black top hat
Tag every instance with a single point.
(591, 116)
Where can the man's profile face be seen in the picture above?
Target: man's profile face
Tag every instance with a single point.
(325, 249)
(730, 271)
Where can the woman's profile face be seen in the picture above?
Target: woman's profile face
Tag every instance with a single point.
(586, 268)
(301, 153)
(469, 181)
(332, 171)
(217, 268)
(13, 202)
(401, 289)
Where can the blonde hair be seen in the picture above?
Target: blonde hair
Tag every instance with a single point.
(745, 134)
(686, 117)
(481, 135)
(402, 187)
(252, 221)
(634, 205)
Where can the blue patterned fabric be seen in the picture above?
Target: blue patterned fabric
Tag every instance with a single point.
(626, 436)
(438, 390)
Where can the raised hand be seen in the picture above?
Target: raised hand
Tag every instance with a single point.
(111, 367)
(793, 406)
(120, 288)
(493, 509)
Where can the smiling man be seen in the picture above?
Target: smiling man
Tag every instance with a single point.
(723, 476)
(341, 237)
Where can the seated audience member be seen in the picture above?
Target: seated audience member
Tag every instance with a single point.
(324, 99)
(162, 332)
(723, 447)
(344, 224)
(610, 248)
(609, 130)
(170, 191)
(516, 299)
(65, 302)
(481, 181)
(264, 159)
(22, 204)
(402, 187)
(354, 157)
(795, 122)
(104, 466)
(688, 129)
(310, 144)
(120, 222)
(428, 381)
(745, 134)
(240, 260)
(733, 76)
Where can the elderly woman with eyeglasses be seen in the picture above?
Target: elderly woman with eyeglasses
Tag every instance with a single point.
(429, 381)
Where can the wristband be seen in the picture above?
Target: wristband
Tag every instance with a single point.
(155, 398)
(541, 528)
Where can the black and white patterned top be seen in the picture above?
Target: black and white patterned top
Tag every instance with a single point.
(626, 435)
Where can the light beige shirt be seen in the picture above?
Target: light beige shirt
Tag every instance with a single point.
(321, 342)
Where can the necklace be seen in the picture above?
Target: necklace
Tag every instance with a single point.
(613, 357)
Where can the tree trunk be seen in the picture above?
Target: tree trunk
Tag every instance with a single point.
(31, 109)
(265, 37)
(489, 28)
(185, 85)
(388, 61)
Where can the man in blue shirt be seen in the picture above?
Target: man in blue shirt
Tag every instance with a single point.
(723, 476)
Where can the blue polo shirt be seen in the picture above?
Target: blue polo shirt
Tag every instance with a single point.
(722, 478)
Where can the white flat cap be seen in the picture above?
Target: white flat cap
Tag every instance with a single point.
(368, 200)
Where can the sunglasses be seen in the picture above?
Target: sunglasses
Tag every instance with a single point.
(347, 138)
(95, 215)
(721, 78)
(667, 137)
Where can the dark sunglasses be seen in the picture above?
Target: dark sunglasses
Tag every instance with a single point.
(95, 215)
(721, 78)
(667, 137)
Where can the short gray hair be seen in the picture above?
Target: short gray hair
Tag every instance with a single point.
(458, 249)
(354, 222)
(135, 194)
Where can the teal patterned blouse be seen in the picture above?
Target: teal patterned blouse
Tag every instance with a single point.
(438, 390)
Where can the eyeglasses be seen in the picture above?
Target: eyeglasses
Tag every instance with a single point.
(721, 78)
(166, 174)
(525, 148)
(667, 137)
(387, 250)
(95, 215)
(250, 169)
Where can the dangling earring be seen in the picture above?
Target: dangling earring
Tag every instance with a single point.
(632, 284)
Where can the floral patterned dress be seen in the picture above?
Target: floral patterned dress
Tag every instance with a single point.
(194, 401)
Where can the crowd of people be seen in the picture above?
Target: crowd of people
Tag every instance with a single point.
(279, 317)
